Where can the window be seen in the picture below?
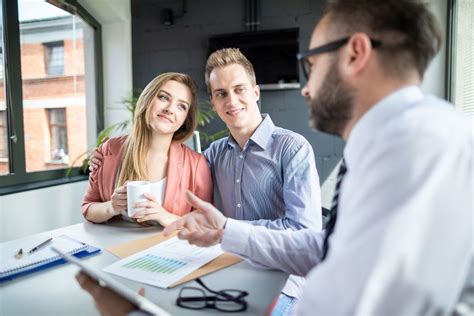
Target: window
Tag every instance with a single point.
(58, 134)
(461, 85)
(50, 95)
(54, 58)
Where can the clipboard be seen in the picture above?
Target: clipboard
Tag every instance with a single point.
(131, 247)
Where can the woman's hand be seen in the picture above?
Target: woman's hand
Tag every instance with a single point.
(118, 202)
(151, 210)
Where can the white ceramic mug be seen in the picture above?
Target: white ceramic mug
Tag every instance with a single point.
(135, 190)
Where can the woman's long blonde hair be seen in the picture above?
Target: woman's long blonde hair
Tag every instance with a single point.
(133, 166)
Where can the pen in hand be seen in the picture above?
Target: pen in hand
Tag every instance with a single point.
(44, 243)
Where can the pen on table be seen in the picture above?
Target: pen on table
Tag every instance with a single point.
(44, 243)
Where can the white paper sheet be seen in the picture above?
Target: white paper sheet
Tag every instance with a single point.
(164, 264)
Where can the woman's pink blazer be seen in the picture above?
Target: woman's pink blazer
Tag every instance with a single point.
(187, 170)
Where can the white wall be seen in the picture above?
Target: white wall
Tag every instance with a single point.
(30, 212)
(115, 18)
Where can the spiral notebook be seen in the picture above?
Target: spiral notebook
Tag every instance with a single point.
(12, 267)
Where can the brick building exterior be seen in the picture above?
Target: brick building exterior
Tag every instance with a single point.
(54, 110)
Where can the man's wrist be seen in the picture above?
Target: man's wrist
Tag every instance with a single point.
(235, 236)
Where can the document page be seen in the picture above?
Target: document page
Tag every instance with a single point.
(164, 264)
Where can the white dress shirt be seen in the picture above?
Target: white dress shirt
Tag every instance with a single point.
(402, 244)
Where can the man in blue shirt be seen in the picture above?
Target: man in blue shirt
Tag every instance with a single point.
(262, 174)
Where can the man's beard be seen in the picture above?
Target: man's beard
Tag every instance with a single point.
(332, 108)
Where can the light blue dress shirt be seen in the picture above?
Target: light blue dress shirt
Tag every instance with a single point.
(271, 182)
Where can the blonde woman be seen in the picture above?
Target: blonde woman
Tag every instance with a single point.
(165, 116)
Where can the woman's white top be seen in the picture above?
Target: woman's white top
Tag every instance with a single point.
(158, 190)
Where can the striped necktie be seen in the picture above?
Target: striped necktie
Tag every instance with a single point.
(332, 220)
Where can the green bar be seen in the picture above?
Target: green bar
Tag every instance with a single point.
(148, 264)
(134, 263)
(156, 267)
(159, 265)
(162, 266)
(144, 263)
(171, 266)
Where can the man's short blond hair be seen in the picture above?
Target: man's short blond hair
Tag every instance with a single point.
(225, 57)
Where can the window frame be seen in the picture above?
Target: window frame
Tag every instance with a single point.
(18, 180)
(450, 46)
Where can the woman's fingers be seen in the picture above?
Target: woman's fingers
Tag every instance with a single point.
(121, 190)
(148, 205)
(144, 212)
(150, 217)
(150, 196)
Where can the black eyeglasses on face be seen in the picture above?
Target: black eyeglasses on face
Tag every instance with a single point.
(329, 47)
(225, 301)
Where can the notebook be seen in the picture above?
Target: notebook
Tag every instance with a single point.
(12, 267)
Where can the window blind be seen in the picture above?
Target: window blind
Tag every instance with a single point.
(464, 57)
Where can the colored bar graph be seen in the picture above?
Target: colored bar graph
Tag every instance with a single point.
(155, 264)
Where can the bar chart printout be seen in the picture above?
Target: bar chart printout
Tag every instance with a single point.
(155, 264)
(164, 264)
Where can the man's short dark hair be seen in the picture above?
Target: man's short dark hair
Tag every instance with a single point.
(226, 57)
(410, 34)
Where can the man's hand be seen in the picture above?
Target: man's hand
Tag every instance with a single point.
(203, 227)
(96, 160)
(106, 300)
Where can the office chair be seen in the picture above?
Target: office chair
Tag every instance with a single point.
(194, 142)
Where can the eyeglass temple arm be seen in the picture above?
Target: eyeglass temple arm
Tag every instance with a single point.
(222, 293)
(332, 46)
(199, 281)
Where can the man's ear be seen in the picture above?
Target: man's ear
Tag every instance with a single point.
(256, 90)
(356, 55)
